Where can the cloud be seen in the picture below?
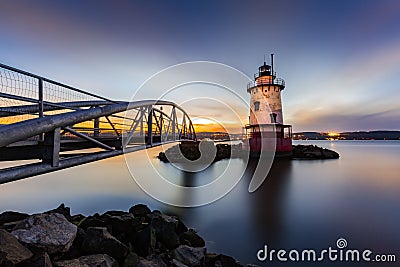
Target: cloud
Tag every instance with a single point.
(387, 120)
(362, 92)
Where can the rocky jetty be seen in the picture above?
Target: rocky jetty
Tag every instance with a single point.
(194, 150)
(139, 237)
(313, 152)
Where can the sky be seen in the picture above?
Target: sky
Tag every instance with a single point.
(340, 59)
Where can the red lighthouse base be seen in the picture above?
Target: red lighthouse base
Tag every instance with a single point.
(260, 138)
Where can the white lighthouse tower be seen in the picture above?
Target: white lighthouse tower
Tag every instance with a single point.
(266, 116)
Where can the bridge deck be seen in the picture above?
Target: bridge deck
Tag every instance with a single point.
(63, 126)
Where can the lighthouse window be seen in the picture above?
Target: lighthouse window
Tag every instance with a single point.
(256, 106)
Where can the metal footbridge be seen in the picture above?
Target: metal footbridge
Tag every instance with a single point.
(47, 126)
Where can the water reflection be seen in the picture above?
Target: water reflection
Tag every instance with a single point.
(270, 200)
(187, 179)
(302, 204)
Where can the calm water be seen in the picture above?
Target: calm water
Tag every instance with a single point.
(302, 204)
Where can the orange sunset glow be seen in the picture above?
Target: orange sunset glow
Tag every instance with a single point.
(208, 128)
(207, 125)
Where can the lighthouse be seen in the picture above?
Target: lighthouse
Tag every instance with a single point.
(266, 115)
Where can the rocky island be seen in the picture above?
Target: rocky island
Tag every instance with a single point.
(138, 237)
(313, 152)
(192, 151)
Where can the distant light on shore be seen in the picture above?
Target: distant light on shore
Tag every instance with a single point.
(333, 134)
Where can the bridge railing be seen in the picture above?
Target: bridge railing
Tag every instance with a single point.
(25, 96)
(41, 119)
(20, 88)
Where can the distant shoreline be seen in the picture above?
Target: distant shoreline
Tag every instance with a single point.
(359, 135)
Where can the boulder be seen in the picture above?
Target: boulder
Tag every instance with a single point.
(329, 154)
(98, 260)
(123, 227)
(92, 221)
(161, 156)
(10, 225)
(175, 263)
(152, 261)
(3, 258)
(144, 241)
(223, 151)
(220, 260)
(66, 211)
(115, 213)
(139, 210)
(99, 241)
(180, 227)
(11, 216)
(11, 251)
(192, 239)
(181, 153)
(40, 260)
(131, 260)
(50, 232)
(226, 261)
(189, 256)
(210, 259)
(165, 229)
(75, 250)
(77, 219)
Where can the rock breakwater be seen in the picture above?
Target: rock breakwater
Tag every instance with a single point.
(192, 151)
(139, 237)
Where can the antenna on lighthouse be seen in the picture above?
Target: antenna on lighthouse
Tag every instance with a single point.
(264, 59)
(272, 65)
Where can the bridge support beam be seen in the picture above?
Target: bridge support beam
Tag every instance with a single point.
(174, 124)
(51, 147)
(150, 127)
(96, 127)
